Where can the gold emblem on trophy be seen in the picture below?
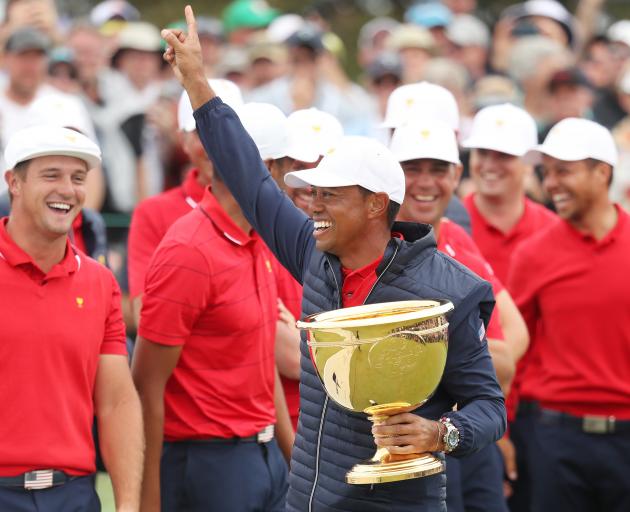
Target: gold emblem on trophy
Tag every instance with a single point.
(382, 359)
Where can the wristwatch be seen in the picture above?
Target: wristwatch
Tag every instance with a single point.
(451, 435)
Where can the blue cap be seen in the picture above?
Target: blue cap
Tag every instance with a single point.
(429, 15)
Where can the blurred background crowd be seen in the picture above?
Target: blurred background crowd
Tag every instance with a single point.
(99, 67)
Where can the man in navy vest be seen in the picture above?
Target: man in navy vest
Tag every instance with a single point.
(346, 255)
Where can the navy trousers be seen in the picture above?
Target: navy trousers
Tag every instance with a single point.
(223, 477)
(521, 433)
(77, 495)
(475, 483)
(572, 471)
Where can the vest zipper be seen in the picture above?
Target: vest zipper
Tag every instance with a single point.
(324, 409)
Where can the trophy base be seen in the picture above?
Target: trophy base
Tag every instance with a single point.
(376, 471)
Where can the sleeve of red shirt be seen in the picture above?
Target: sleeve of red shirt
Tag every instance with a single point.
(522, 287)
(114, 338)
(143, 239)
(178, 289)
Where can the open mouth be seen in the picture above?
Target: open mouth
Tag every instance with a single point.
(424, 199)
(560, 200)
(321, 227)
(60, 208)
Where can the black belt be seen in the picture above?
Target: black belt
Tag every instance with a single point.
(39, 479)
(264, 436)
(589, 424)
(527, 408)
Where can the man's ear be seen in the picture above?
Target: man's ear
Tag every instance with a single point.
(13, 182)
(377, 206)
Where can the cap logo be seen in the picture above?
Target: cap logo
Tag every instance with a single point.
(79, 302)
(330, 151)
(71, 138)
(499, 122)
(316, 128)
(425, 134)
(409, 102)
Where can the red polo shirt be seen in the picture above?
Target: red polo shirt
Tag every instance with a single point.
(455, 242)
(150, 222)
(53, 328)
(211, 289)
(496, 246)
(290, 292)
(573, 293)
(358, 283)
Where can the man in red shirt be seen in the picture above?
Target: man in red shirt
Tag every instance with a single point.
(63, 355)
(212, 404)
(428, 153)
(502, 217)
(153, 216)
(571, 283)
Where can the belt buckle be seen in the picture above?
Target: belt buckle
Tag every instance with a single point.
(265, 435)
(38, 479)
(598, 424)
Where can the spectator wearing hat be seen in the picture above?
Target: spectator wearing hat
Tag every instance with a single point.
(243, 18)
(384, 75)
(469, 39)
(267, 61)
(428, 153)
(564, 280)
(415, 46)
(25, 61)
(67, 361)
(62, 71)
(435, 17)
(373, 38)
(213, 406)
(571, 94)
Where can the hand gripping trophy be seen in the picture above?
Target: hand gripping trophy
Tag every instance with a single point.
(382, 359)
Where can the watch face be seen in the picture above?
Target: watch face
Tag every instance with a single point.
(452, 438)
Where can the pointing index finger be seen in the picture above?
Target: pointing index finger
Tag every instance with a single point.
(190, 21)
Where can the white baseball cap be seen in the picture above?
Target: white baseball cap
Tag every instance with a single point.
(424, 100)
(319, 130)
(425, 138)
(503, 128)
(227, 90)
(39, 141)
(269, 128)
(59, 109)
(575, 139)
(355, 161)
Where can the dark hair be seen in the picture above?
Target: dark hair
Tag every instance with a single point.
(592, 163)
(21, 167)
(392, 207)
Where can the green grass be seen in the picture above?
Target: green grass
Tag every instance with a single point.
(105, 492)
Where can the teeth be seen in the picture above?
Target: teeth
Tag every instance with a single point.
(60, 206)
(559, 197)
(322, 224)
(424, 198)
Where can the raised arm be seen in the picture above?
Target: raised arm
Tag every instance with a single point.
(285, 229)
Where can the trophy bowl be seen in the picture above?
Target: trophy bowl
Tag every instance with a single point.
(382, 359)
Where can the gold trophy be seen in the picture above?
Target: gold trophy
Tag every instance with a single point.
(382, 359)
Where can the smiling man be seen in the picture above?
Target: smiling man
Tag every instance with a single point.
(571, 284)
(346, 255)
(62, 340)
(428, 153)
